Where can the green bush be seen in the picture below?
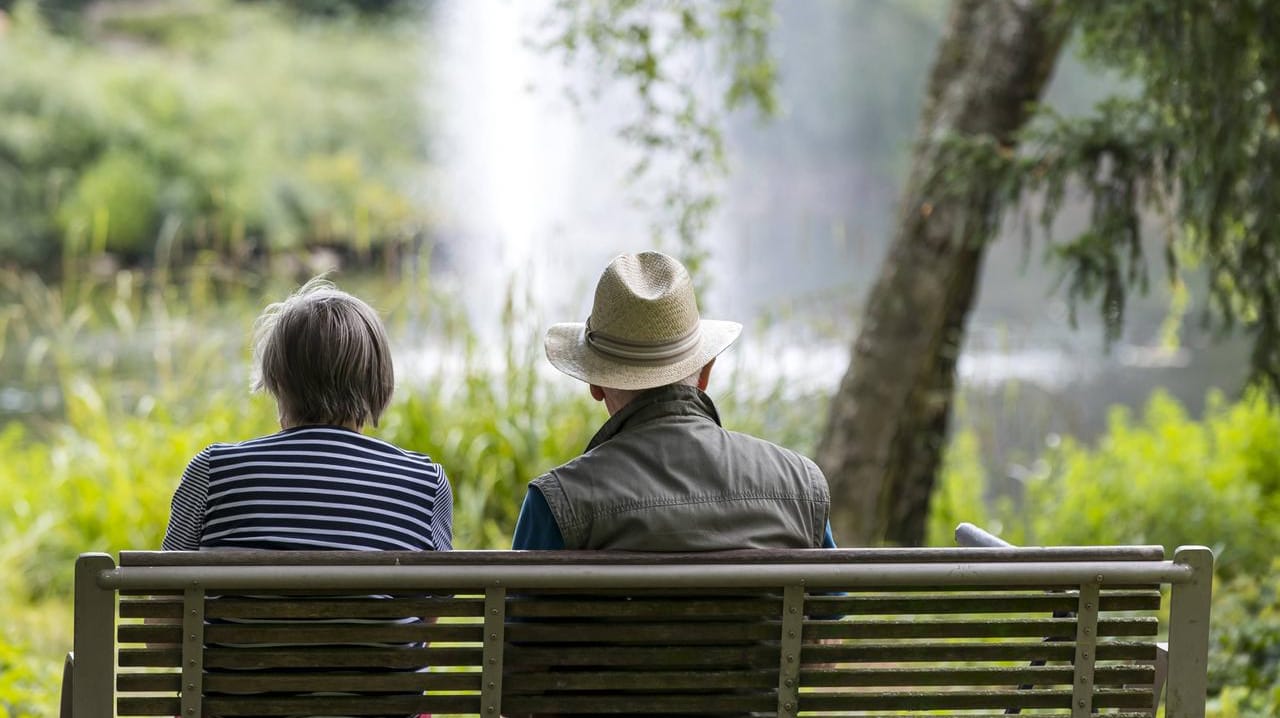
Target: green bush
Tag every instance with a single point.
(1166, 479)
(960, 493)
(115, 202)
(26, 686)
(1244, 648)
(237, 127)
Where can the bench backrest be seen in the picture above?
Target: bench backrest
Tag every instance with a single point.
(1071, 631)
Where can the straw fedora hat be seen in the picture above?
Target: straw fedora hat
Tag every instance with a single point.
(644, 330)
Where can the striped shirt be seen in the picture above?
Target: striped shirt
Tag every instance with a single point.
(313, 488)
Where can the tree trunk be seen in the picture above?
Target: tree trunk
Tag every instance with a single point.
(888, 421)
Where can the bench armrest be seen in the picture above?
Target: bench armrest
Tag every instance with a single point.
(971, 536)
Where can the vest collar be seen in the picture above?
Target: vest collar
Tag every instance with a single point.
(664, 401)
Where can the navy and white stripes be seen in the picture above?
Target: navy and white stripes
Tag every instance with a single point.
(313, 487)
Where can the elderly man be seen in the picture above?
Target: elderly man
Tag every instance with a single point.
(662, 474)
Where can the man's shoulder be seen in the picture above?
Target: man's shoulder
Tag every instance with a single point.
(594, 459)
(803, 465)
(764, 445)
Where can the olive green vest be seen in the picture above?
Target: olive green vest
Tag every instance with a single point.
(663, 475)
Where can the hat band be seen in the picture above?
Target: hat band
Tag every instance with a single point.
(645, 352)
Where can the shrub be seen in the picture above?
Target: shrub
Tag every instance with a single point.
(115, 202)
(26, 686)
(1166, 479)
(1244, 647)
(959, 495)
(231, 126)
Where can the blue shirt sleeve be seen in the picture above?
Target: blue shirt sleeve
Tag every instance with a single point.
(536, 529)
(828, 541)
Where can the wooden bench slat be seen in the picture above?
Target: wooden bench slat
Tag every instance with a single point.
(906, 589)
(312, 633)
(524, 607)
(149, 633)
(665, 656)
(586, 680)
(301, 632)
(254, 681)
(395, 657)
(150, 608)
(351, 705)
(1006, 602)
(973, 676)
(655, 704)
(304, 633)
(155, 657)
(373, 608)
(148, 682)
(290, 682)
(1058, 628)
(655, 681)
(947, 699)
(148, 706)
(842, 653)
(1020, 602)
(651, 633)
(746, 556)
(1004, 651)
(339, 705)
(339, 657)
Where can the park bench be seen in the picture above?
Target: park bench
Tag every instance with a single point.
(974, 632)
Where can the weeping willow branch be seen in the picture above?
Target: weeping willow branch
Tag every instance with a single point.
(685, 65)
(1199, 142)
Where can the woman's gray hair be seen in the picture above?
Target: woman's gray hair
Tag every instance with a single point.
(324, 355)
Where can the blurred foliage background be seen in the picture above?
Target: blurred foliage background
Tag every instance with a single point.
(155, 131)
(166, 169)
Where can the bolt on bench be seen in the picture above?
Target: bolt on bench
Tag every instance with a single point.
(852, 632)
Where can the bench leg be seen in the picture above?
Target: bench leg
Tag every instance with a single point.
(93, 679)
(1162, 673)
(68, 670)
(1189, 635)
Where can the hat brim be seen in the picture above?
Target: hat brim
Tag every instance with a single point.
(567, 350)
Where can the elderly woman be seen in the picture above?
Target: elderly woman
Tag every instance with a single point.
(318, 483)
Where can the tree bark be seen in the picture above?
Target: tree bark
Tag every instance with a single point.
(888, 421)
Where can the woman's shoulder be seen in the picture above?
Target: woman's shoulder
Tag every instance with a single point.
(383, 446)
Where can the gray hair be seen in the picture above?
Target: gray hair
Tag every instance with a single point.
(324, 356)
